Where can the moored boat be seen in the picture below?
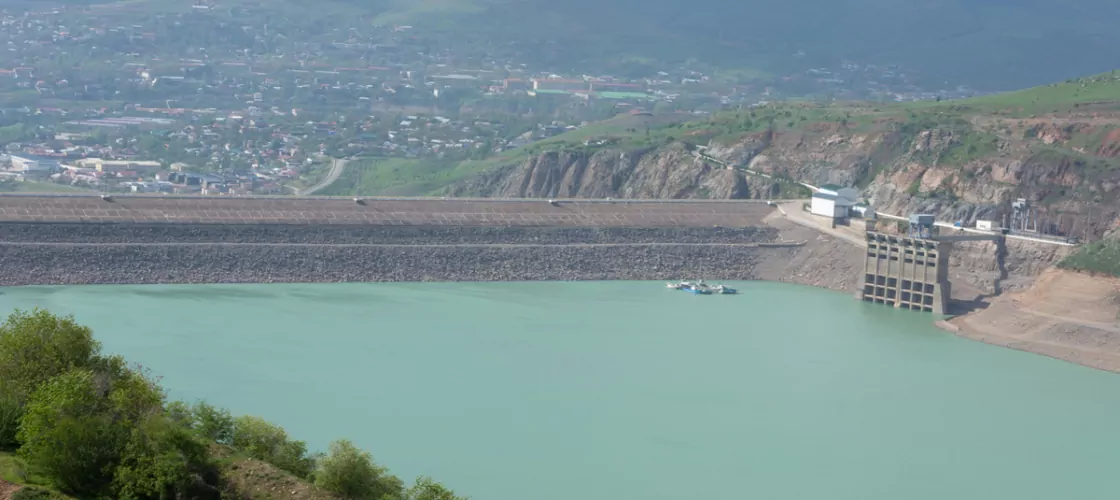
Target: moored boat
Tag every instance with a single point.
(697, 287)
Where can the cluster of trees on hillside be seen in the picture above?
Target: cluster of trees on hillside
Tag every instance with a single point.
(93, 426)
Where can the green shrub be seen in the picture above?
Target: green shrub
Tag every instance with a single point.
(69, 436)
(78, 426)
(31, 493)
(1099, 257)
(215, 424)
(427, 489)
(37, 345)
(352, 474)
(91, 426)
(915, 188)
(10, 412)
(264, 441)
(162, 460)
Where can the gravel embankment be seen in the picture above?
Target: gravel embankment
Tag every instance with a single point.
(169, 253)
(383, 235)
(202, 263)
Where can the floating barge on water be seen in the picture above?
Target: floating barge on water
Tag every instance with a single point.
(700, 288)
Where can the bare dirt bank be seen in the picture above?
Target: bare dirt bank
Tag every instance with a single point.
(1064, 315)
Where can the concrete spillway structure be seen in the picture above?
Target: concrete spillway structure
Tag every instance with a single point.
(906, 273)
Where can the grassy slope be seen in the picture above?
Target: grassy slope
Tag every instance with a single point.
(14, 470)
(39, 187)
(424, 176)
(1101, 257)
(391, 176)
(1102, 91)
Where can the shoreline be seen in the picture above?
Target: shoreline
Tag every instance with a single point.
(1061, 332)
(1088, 359)
(1065, 315)
(770, 246)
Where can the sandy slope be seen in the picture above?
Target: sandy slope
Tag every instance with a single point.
(1064, 314)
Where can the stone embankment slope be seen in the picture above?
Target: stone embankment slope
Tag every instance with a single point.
(150, 239)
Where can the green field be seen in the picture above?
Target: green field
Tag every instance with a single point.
(38, 187)
(1102, 92)
(394, 176)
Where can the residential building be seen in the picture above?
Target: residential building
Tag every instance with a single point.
(561, 84)
(30, 164)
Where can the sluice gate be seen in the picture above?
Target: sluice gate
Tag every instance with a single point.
(907, 273)
(912, 271)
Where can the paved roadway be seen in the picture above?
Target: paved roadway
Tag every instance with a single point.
(1011, 236)
(783, 244)
(381, 211)
(338, 165)
(700, 154)
(794, 213)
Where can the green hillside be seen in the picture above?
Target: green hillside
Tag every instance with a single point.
(975, 122)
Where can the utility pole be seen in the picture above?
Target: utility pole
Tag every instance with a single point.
(1088, 223)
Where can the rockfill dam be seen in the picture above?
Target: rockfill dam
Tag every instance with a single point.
(80, 239)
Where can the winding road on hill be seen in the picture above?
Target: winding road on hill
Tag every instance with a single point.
(338, 165)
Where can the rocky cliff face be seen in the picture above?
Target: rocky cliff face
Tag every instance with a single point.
(962, 170)
(667, 172)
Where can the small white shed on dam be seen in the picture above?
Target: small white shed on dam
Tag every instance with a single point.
(831, 206)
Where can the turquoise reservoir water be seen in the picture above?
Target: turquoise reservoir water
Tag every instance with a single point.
(624, 390)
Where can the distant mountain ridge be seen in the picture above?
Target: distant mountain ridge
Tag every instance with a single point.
(987, 44)
(995, 44)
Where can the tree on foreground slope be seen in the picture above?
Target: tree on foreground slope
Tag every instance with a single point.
(34, 347)
(352, 474)
(95, 427)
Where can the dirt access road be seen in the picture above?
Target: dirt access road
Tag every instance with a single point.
(338, 165)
